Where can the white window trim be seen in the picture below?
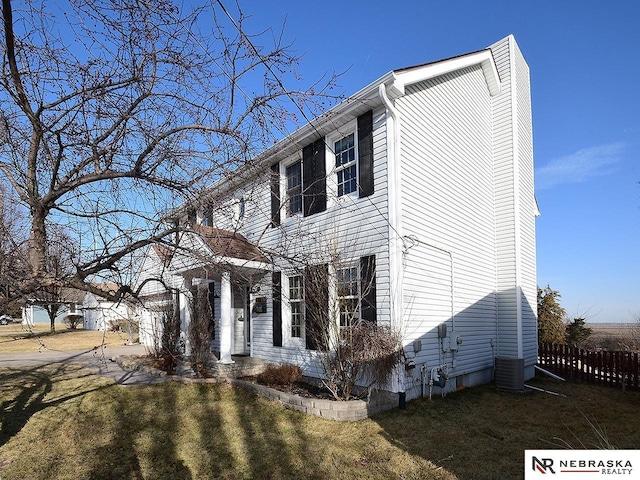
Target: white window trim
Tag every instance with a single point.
(358, 296)
(332, 175)
(287, 339)
(284, 198)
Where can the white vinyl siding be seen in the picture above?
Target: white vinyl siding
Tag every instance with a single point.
(352, 226)
(448, 215)
(466, 220)
(515, 205)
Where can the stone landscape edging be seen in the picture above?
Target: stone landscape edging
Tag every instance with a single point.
(343, 411)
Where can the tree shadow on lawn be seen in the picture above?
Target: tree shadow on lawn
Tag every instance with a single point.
(34, 388)
(138, 440)
(256, 439)
(196, 430)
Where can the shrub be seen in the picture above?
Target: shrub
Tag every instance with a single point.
(199, 334)
(72, 321)
(576, 333)
(285, 374)
(167, 349)
(364, 354)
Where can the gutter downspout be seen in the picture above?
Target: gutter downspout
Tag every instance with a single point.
(395, 217)
(394, 208)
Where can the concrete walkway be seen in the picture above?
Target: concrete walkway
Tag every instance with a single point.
(99, 361)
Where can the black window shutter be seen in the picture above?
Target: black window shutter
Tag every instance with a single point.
(277, 309)
(314, 178)
(316, 299)
(365, 154)
(368, 284)
(275, 195)
(211, 295)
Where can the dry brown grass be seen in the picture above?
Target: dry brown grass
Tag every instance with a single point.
(14, 338)
(57, 422)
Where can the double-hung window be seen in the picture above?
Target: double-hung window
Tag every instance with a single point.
(296, 302)
(347, 282)
(207, 216)
(294, 188)
(346, 165)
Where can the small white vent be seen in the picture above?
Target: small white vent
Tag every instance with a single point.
(509, 373)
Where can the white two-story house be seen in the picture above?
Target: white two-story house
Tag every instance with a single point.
(416, 193)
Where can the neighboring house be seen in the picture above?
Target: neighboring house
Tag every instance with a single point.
(416, 192)
(35, 310)
(101, 314)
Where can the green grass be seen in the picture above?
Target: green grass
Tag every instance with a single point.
(59, 422)
(14, 338)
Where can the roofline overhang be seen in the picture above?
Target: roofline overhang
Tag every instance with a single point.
(366, 98)
(363, 100)
(413, 75)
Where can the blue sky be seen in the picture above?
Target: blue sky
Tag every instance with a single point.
(585, 78)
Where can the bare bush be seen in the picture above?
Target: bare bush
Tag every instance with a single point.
(199, 330)
(72, 321)
(357, 355)
(286, 374)
(168, 350)
(365, 354)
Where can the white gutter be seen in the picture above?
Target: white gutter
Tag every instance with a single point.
(394, 208)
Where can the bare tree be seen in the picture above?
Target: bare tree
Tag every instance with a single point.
(113, 112)
(355, 351)
(13, 249)
(54, 296)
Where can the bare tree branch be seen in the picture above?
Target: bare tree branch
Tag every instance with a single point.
(112, 113)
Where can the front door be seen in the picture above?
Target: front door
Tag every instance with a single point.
(240, 319)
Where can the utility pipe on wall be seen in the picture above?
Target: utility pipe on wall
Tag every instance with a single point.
(413, 239)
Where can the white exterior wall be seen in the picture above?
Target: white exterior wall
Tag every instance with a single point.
(98, 314)
(467, 219)
(351, 226)
(152, 296)
(448, 215)
(515, 206)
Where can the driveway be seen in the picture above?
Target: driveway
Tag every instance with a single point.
(99, 361)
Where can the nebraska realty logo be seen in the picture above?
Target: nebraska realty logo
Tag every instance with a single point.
(591, 464)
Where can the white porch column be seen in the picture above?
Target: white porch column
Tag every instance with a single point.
(225, 319)
(185, 317)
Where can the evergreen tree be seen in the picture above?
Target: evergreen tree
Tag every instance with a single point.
(550, 316)
(576, 333)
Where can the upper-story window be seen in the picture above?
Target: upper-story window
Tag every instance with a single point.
(294, 188)
(207, 216)
(314, 180)
(242, 208)
(346, 165)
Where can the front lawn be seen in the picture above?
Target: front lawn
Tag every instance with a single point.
(59, 422)
(14, 338)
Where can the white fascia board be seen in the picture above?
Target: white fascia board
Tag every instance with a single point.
(419, 74)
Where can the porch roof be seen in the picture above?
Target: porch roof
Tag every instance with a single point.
(203, 246)
(229, 244)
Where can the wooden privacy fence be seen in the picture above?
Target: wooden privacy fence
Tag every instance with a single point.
(614, 369)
